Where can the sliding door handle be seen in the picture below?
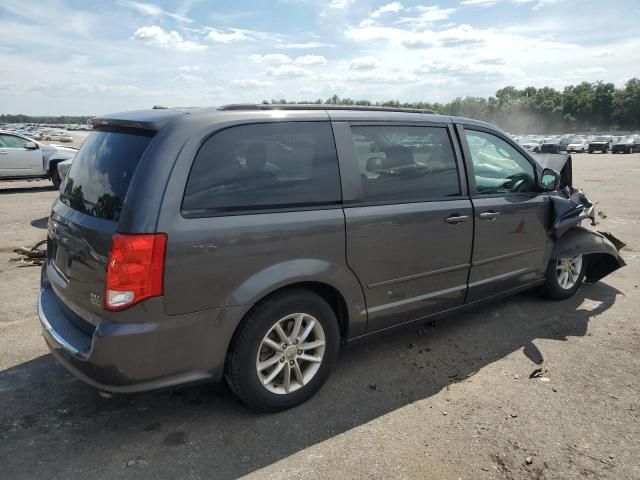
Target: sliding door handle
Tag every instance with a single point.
(454, 219)
(489, 215)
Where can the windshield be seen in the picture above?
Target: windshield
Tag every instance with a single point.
(601, 139)
(101, 172)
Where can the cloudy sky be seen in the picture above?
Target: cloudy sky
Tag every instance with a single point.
(81, 57)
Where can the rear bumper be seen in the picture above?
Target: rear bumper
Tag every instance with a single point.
(133, 357)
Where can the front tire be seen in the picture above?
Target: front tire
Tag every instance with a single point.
(564, 277)
(284, 351)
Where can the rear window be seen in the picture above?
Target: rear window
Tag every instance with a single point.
(260, 166)
(101, 172)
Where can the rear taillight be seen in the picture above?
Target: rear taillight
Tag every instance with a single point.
(135, 269)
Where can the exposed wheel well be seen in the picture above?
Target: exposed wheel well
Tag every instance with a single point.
(328, 293)
(53, 164)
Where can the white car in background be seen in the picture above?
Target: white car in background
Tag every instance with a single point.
(22, 158)
(532, 144)
(49, 136)
(578, 145)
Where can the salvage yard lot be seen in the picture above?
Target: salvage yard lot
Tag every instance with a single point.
(450, 400)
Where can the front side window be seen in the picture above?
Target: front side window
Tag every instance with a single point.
(405, 163)
(11, 141)
(497, 166)
(268, 165)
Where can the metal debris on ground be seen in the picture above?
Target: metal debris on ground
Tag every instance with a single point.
(31, 256)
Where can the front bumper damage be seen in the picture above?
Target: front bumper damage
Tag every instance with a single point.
(570, 209)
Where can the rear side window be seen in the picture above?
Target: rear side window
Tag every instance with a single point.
(405, 164)
(101, 172)
(269, 165)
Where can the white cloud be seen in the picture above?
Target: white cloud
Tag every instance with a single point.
(184, 77)
(305, 45)
(365, 63)
(538, 3)
(222, 37)
(189, 68)
(393, 7)
(340, 4)
(153, 10)
(156, 36)
(250, 83)
(288, 71)
(481, 3)
(271, 58)
(311, 60)
(426, 15)
(462, 35)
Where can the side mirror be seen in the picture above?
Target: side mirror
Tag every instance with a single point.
(550, 180)
(31, 145)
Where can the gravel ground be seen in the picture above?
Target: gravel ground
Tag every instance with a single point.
(448, 400)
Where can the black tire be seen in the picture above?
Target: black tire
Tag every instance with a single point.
(552, 289)
(55, 176)
(241, 374)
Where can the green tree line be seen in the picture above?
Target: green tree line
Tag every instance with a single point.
(584, 107)
(59, 120)
(577, 108)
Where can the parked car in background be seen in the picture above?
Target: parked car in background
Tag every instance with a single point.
(578, 145)
(550, 146)
(51, 135)
(532, 144)
(626, 145)
(599, 144)
(23, 158)
(65, 138)
(248, 242)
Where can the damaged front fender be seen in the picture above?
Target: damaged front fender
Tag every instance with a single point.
(600, 249)
(569, 208)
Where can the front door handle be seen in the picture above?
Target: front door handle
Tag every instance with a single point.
(454, 219)
(489, 215)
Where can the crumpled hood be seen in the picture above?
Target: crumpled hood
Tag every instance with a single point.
(59, 151)
(560, 163)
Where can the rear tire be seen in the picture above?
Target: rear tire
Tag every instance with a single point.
(564, 277)
(270, 369)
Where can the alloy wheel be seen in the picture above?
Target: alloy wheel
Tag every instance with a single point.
(291, 353)
(568, 271)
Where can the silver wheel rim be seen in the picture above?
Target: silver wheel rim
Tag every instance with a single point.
(568, 271)
(291, 353)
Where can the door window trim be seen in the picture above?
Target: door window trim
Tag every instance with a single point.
(461, 128)
(352, 194)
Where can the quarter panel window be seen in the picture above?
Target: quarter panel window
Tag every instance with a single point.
(264, 165)
(497, 166)
(405, 163)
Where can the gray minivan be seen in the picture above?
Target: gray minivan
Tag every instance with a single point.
(251, 241)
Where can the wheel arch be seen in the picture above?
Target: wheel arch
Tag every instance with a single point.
(598, 248)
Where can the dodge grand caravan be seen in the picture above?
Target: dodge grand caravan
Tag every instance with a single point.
(250, 242)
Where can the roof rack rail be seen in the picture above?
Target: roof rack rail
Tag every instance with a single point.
(318, 106)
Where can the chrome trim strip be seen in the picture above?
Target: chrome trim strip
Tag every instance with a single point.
(47, 326)
(498, 277)
(506, 255)
(419, 298)
(418, 275)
